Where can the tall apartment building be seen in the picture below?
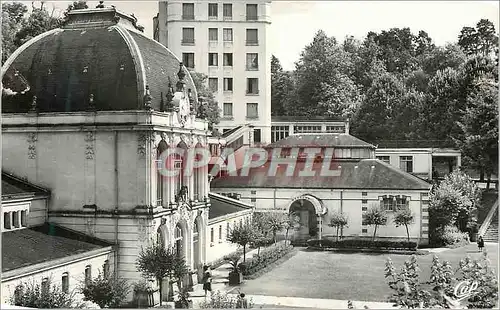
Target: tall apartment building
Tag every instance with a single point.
(229, 42)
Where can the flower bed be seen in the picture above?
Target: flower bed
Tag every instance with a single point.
(267, 256)
(362, 244)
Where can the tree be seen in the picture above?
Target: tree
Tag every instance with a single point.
(281, 88)
(38, 22)
(479, 125)
(158, 262)
(276, 222)
(375, 216)
(338, 220)
(13, 16)
(242, 235)
(292, 221)
(34, 295)
(410, 292)
(323, 80)
(453, 202)
(208, 107)
(106, 291)
(404, 218)
(398, 49)
(482, 39)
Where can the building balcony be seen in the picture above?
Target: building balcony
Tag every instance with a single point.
(253, 93)
(252, 68)
(252, 18)
(187, 17)
(252, 117)
(252, 42)
(227, 18)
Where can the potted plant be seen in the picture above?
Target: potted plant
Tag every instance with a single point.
(183, 301)
(235, 275)
(141, 294)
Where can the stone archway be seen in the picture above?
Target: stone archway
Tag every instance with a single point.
(310, 211)
(198, 242)
(181, 244)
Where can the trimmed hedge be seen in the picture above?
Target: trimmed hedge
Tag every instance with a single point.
(363, 244)
(267, 256)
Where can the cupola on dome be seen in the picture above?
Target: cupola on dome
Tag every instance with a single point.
(98, 59)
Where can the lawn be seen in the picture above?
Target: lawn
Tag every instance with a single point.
(344, 276)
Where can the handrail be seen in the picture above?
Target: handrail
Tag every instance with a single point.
(487, 220)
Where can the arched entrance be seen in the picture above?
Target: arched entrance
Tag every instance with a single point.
(310, 210)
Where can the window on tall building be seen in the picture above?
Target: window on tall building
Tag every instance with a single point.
(188, 11)
(252, 12)
(212, 235)
(220, 232)
(213, 34)
(212, 10)
(227, 9)
(228, 84)
(279, 132)
(213, 84)
(257, 136)
(252, 86)
(406, 163)
(65, 283)
(228, 109)
(252, 110)
(384, 159)
(227, 34)
(252, 61)
(228, 59)
(188, 60)
(213, 59)
(252, 37)
(187, 35)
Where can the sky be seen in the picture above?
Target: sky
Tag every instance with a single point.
(294, 23)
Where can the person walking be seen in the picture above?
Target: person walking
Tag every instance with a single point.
(207, 280)
(480, 243)
(242, 302)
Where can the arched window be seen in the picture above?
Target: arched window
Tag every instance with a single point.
(105, 269)
(65, 282)
(88, 274)
(179, 165)
(160, 179)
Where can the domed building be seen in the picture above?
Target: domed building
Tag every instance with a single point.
(87, 111)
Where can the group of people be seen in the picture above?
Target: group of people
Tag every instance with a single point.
(241, 303)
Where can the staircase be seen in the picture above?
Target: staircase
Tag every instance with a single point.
(491, 234)
(489, 228)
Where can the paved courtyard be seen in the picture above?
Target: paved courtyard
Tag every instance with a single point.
(356, 276)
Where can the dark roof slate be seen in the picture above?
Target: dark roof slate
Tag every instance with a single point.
(321, 140)
(29, 246)
(363, 174)
(64, 66)
(16, 187)
(221, 205)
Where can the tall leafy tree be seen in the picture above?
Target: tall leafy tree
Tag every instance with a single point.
(397, 49)
(479, 124)
(482, 39)
(13, 16)
(323, 75)
(281, 88)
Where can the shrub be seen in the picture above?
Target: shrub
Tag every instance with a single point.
(32, 295)
(375, 217)
(361, 243)
(221, 261)
(220, 300)
(267, 256)
(233, 259)
(106, 291)
(451, 235)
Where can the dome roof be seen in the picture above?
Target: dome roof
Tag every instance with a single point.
(98, 54)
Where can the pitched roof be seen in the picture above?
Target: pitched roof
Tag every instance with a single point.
(96, 53)
(29, 246)
(362, 174)
(13, 187)
(321, 140)
(222, 205)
